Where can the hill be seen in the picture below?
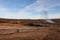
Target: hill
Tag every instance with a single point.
(26, 21)
(27, 29)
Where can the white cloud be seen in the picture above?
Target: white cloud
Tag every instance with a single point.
(41, 5)
(5, 13)
(22, 14)
(37, 6)
(56, 15)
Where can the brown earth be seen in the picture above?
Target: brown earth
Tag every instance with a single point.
(44, 33)
(48, 34)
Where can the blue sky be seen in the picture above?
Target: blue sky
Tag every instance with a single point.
(29, 9)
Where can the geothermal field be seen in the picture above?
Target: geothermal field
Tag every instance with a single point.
(27, 29)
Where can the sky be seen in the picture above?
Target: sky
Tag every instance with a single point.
(29, 9)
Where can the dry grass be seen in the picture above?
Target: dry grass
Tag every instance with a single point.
(42, 34)
(9, 24)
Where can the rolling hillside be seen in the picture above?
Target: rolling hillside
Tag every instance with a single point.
(49, 32)
(25, 21)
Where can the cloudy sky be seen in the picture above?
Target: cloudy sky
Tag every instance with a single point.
(29, 9)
